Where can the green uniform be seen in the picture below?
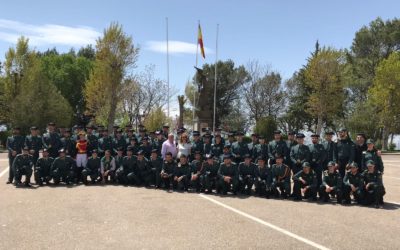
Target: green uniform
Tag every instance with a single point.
(106, 143)
(119, 143)
(34, 143)
(298, 155)
(210, 175)
(217, 149)
(263, 180)
(23, 165)
(333, 180)
(357, 181)
(42, 170)
(126, 174)
(92, 169)
(247, 176)
(310, 182)
(375, 191)
(108, 166)
(345, 154)
(14, 143)
(331, 152)
(62, 169)
(239, 150)
(157, 144)
(372, 155)
(277, 147)
(280, 180)
(69, 145)
(143, 172)
(318, 157)
(260, 150)
(182, 170)
(228, 171)
(167, 173)
(92, 143)
(52, 142)
(156, 167)
(196, 169)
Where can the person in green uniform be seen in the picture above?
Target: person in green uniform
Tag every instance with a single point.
(277, 146)
(22, 165)
(42, 168)
(196, 171)
(299, 154)
(318, 157)
(52, 140)
(108, 166)
(182, 174)
(207, 145)
(14, 145)
(197, 144)
(228, 176)
(210, 173)
(92, 139)
(281, 174)
(253, 143)
(68, 143)
(345, 151)
(92, 168)
(225, 151)
(155, 163)
(373, 185)
(105, 143)
(119, 141)
(143, 172)
(260, 149)
(239, 148)
(62, 169)
(305, 183)
(126, 174)
(217, 147)
(157, 143)
(330, 148)
(168, 170)
(247, 175)
(34, 143)
(263, 178)
(331, 184)
(371, 154)
(353, 184)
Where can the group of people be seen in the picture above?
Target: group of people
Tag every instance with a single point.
(205, 162)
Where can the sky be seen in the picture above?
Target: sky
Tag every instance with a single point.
(280, 34)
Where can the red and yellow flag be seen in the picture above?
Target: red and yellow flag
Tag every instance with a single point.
(200, 42)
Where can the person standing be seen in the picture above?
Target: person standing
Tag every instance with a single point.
(14, 145)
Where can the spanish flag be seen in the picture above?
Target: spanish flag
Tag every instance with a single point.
(200, 42)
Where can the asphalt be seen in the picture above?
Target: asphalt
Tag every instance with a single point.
(117, 217)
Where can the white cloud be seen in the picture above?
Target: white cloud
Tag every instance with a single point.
(175, 47)
(47, 34)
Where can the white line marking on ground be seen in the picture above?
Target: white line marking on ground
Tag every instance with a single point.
(385, 176)
(393, 202)
(4, 172)
(262, 222)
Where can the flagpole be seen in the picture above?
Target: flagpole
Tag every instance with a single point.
(166, 19)
(215, 77)
(195, 78)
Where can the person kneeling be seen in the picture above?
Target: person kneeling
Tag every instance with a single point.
(331, 184)
(228, 175)
(263, 178)
(92, 168)
(305, 183)
(247, 174)
(181, 174)
(280, 178)
(373, 185)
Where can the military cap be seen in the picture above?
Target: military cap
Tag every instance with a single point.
(165, 126)
(51, 124)
(197, 152)
(141, 126)
(67, 130)
(143, 130)
(134, 139)
(279, 156)
(306, 164)
(247, 156)
(209, 156)
(331, 163)
(140, 152)
(145, 138)
(300, 135)
(34, 128)
(262, 158)
(154, 151)
(158, 132)
(227, 146)
(129, 149)
(329, 132)
(315, 135)
(231, 134)
(120, 149)
(370, 141)
(277, 132)
(196, 133)
(131, 130)
(291, 133)
(182, 156)
(343, 129)
(61, 150)
(227, 156)
(218, 129)
(119, 131)
(261, 137)
(254, 135)
(239, 133)
(94, 151)
(91, 127)
(354, 164)
(168, 153)
(370, 163)
(207, 135)
(45, 150)
(25, 148)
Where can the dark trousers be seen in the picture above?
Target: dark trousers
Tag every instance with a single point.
(10, 168)
(210, 182)
(225, 186)
(374, 195)
(19, 172)
(196, 184)
(358, 195)
(326, 196)
(262, 189)
(167, 180)
(246, 183)
(342, 166)
(281, 187)
(310, 193)
(42, 175)
(182, 184)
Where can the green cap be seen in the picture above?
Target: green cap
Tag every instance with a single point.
(370, 163)
(306, 164)
(370, 141)
(331, 164)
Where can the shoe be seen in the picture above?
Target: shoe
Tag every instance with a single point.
(27, 184)
(9, 182)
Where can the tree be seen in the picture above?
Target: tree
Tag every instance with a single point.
(266, 127)
(236, 120)
(142, 93)
(230, 80)
(323, 75)
(115, 56)
(181, 102)
(263, 93)
(156, 119)
(385, 95)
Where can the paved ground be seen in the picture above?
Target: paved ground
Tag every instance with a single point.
(116, 217)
